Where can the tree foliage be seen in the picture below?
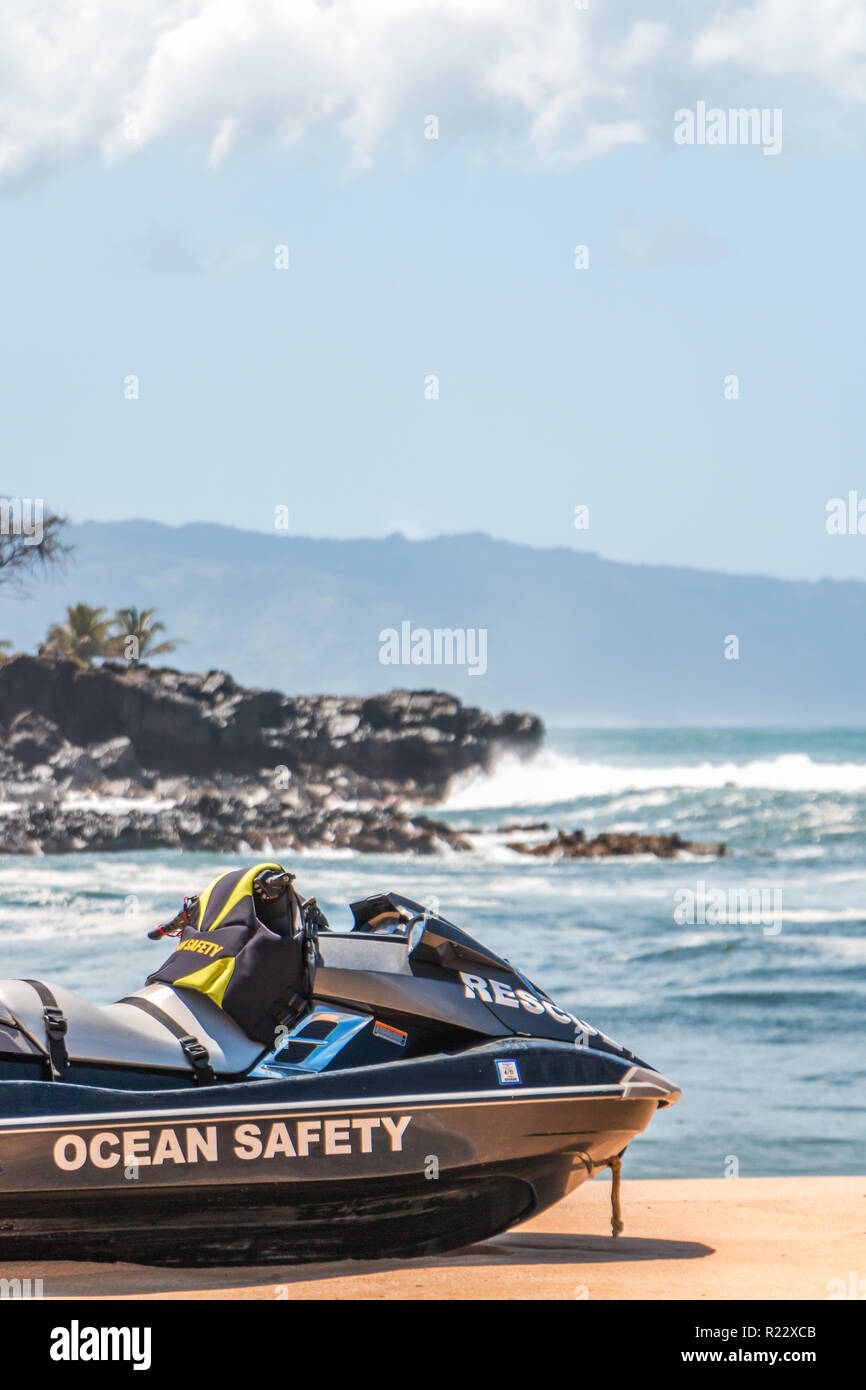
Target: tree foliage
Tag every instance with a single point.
(29, 540)
(136, 630)
(85, 634)
(88, 633)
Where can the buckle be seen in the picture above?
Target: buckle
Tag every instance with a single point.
(195, 1051)
(199, 1058)
(55, 1024)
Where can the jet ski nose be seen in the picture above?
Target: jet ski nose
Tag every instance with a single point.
(645, 1083)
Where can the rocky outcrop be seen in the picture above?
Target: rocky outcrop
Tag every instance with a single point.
(122, 757)
(208, 822)
(574, 845)
(186, 724)
(134, 758)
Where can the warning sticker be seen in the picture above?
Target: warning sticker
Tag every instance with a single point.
(391, 1035)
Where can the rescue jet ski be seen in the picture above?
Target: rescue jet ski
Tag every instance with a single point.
(418, 1094)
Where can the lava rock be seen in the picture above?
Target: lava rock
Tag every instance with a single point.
(33, 738)
(203, 764)
(574, 845)
(187, 724)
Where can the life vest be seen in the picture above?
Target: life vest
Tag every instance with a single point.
(247, 955)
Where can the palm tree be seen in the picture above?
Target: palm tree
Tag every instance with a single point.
(85, 634)
(135, 631)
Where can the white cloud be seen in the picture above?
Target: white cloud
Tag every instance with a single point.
(537, 80)
(821, 42)
(671, 240)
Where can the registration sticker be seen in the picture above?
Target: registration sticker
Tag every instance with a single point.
(508, 1072)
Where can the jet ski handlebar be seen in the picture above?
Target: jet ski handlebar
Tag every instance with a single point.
(269, 886)
(177, 924)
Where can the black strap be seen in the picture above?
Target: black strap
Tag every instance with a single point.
(195, 1052)
(311, 954)
(56, 1055)
(289, 1005)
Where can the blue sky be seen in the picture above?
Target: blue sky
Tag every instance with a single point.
(557, 386)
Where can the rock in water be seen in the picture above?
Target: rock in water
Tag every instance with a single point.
(574, 845)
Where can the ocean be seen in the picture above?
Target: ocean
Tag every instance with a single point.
(741, 978)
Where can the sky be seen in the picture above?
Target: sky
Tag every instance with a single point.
(153, 158)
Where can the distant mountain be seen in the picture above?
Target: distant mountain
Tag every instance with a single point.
(568, 635)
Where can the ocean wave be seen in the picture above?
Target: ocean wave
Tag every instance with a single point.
(820, 915)
(552, 779)
(774, 996)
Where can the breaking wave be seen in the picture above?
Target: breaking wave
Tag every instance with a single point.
(552, 778)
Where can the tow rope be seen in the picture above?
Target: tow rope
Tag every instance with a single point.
(617, 1225)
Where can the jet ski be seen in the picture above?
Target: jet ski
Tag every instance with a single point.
(423, 1095)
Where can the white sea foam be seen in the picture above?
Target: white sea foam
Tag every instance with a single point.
(823, 914)
(552, 778)
(117, 805)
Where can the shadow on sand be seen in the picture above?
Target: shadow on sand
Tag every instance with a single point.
(67, 1279)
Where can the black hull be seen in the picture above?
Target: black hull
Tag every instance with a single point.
(423, 1157)
(271, 1225)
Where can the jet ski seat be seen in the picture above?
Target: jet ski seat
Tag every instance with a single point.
(124, 1034)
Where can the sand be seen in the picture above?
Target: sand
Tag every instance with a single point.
(753, 1238)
